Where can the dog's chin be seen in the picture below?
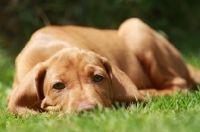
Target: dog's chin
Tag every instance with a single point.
(82, 107)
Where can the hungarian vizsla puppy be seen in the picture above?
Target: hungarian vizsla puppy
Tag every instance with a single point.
(73, 68)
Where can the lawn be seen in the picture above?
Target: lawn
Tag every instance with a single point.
(179, 113)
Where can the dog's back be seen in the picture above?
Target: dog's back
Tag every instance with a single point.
(47, 41)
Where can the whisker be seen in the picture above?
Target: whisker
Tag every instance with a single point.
(35, 103)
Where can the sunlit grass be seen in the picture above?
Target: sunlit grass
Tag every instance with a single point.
(166, 114)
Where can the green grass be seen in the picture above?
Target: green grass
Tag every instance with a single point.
(179, 113)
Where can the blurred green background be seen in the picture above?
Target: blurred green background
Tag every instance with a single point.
(178, 20)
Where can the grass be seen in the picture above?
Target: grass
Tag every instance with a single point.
(164, 114)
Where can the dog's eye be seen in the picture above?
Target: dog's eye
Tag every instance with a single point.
(59, 86)
(98, 78)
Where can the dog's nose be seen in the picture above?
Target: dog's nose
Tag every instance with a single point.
(85, 107)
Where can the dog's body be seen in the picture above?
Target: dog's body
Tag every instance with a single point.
(73, 56)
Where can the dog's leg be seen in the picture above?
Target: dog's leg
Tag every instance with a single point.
(159, 58)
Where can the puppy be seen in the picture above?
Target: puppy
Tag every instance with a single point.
(71, 68)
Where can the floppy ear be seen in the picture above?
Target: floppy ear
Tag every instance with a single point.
(27, 95)
(122, 87)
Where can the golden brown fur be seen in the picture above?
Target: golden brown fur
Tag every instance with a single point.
(132, 60)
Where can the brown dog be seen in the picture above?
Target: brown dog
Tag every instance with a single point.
(75, 68)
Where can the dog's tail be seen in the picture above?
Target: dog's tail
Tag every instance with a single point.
(195, 74)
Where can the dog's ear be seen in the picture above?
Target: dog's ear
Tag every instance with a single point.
(123, 89)
(27, 95)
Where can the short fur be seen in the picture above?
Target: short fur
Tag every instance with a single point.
(133, 60)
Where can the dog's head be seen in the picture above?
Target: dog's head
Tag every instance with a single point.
(76, 80)
(73, 80)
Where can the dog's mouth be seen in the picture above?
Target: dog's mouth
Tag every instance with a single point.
(70, 107)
